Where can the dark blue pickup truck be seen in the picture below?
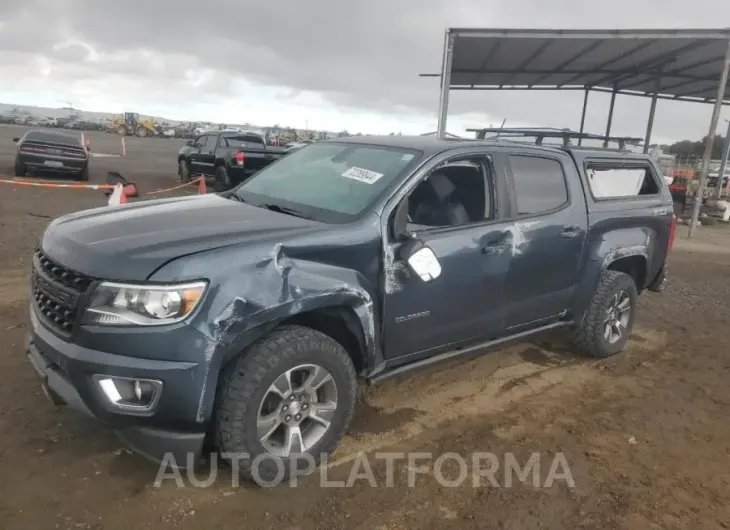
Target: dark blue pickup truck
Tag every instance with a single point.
(247, 317)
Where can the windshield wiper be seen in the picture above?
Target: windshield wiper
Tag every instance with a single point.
(283, 209)
(231, 194)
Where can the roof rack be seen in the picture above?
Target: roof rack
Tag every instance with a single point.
(547, 132)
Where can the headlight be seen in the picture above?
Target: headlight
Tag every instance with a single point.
(119, 304)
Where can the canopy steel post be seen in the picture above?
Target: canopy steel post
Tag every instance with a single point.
(583, 114)
(445, 83)
(652, 111)
(723, 163)
(610, 117)
(710, 143)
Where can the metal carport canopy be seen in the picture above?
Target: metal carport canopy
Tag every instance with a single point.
(675, 64)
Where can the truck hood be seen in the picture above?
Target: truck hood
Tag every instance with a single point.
(128, 243)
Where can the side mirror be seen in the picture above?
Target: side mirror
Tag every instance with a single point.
(421, 260)
(189, 143)
(16, 139)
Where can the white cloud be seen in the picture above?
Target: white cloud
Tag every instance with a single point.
(331, 64)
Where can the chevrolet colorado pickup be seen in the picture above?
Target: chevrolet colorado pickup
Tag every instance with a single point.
(245, 318)
(229, 157)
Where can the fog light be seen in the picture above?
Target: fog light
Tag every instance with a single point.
(138, 395)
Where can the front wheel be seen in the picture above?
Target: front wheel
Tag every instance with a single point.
(284, 403)
(183, 170)
(609, 319)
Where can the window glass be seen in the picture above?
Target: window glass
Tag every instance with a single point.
(539, 184)
(242, 141)
(453, 194)
(606, 181)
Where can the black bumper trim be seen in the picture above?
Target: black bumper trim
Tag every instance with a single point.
(54, 383)
(182, 449)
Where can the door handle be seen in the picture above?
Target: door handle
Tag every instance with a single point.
(570, 232)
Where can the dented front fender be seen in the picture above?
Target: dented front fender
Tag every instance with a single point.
(253, 291)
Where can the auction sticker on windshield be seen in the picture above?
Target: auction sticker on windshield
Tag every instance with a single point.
(363, 175)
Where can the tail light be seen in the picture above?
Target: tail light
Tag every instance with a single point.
(32, 149)
(75, 154)
(672, 231)
(239, 158)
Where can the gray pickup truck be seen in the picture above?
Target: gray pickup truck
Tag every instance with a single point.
(362, 257)
(229, 157)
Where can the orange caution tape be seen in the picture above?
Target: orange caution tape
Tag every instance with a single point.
(49, 185)
(176, 187)
(92, 186)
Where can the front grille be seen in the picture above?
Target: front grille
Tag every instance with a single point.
(59, 316)
(69, 278)
(57, 293)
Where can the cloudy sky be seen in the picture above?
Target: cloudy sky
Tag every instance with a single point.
(325, 64)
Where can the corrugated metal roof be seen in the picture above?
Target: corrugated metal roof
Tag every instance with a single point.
(677, 64)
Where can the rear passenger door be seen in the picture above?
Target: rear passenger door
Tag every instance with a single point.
(550, 223)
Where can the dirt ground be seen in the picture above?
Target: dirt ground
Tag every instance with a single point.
(645, 434)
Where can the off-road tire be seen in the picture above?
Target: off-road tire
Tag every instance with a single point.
(247, 379)
(222, 179)
(183, 170)
(588, 335)
(20, 170)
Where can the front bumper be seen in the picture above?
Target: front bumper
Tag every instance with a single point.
(66, 371)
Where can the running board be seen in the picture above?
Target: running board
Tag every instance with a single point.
(464, 352)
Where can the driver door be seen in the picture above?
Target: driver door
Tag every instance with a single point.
(465, 301)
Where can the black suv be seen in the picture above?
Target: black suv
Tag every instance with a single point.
(248, 316)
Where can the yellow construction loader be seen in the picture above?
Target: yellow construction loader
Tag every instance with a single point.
(129, 124)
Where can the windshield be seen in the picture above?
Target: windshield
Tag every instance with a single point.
(328, 182)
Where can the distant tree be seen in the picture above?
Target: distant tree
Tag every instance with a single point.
(690, 149)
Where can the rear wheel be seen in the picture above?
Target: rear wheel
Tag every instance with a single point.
(285, 402)
(122, 130)
(20, 170)
(609, 319)
(222, 179)
(141, 132)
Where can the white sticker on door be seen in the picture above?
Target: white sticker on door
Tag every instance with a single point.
(363, 175)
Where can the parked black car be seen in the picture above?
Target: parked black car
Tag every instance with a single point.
(51, 151)
(228, 157)
(247, 316)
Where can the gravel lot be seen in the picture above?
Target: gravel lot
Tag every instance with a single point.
(645, 434)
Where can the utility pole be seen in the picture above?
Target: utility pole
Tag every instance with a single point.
(723, 163)
(709, 144)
